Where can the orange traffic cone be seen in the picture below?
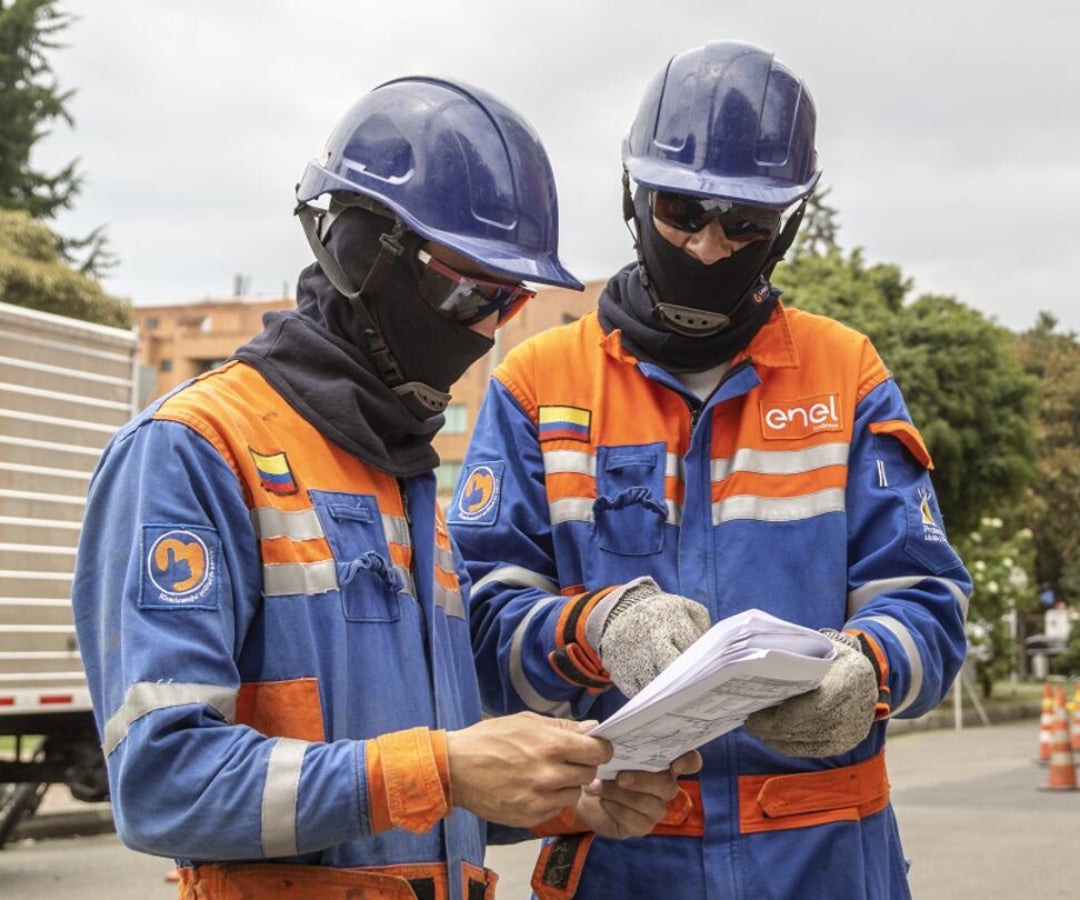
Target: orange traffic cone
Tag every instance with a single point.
(1076, 718)
(1062, 774)
(1046, 721)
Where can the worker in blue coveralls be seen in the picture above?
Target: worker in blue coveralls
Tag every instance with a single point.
(692, 449)
(267, 600)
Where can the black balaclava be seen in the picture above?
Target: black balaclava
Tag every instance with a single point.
(317, 356)
(429, 347)
(733, 286)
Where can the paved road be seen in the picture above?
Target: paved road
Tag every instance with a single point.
(972, 818)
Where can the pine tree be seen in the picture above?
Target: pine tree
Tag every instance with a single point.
(30, 101)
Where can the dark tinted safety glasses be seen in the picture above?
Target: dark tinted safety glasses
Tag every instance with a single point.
(740, 221)
(465, 298)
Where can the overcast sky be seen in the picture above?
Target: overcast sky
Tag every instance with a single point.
(947, 129)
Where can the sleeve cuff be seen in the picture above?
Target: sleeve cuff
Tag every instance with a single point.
(872, 651)
(574, 658)
(408, 780)
(566, 821)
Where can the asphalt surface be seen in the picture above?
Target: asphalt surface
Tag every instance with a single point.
(973, 820)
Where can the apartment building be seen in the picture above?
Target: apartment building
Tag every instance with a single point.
(179, 341)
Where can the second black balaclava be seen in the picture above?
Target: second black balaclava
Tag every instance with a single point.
(732, 286)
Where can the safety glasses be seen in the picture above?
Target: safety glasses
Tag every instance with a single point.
(740, 221)
(465, 298)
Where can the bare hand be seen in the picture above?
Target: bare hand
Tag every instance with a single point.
(522, 769)
(634, 802)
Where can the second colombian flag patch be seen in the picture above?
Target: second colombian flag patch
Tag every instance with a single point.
(564, 423)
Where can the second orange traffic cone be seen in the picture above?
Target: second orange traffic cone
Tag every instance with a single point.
(1062, 773)
(1076, 718)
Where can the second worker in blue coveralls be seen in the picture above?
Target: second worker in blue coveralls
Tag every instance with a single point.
(693, 449)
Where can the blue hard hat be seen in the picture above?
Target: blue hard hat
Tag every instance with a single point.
(457, 166)
(725, 120)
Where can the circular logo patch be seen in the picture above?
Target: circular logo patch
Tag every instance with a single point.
(479, 493)
(180, 566)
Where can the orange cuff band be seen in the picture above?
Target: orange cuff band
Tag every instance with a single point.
(872, 650)
(573, 658)
(566, 821)
(408, 776)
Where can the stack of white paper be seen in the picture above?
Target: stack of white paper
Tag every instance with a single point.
(742, 664)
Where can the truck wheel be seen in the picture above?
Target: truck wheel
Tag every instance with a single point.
(17, 802)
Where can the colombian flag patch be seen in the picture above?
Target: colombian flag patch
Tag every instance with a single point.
(564, 423)
(274, 473)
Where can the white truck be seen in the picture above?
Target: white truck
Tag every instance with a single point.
(65, 387)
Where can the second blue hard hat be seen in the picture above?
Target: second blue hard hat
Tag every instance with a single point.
(725, 120)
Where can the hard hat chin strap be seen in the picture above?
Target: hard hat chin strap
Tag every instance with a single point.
(422, 400)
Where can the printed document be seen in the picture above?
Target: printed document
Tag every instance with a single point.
(744, 663)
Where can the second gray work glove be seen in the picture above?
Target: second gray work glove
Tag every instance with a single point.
(639, 631)
(833, 718)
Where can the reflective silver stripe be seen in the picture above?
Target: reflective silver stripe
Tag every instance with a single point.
(581, 463)
(284, 579)
(408, 586)
(525, 690)
(859, 597)
(781, 462)
(570, 509)
(444, 559)
(911, 651)
(145, 697)
(279, 801)
(397, 530)
(298, 525)
(569, 461)
(449, 601)
(778, 509)
(516, 576)
(580, 509)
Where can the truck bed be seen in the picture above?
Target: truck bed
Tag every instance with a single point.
(65, 387)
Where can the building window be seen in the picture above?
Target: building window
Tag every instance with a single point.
(152, 322)
(446, 477)
(205, 365)
(457, 419)
(165, 365)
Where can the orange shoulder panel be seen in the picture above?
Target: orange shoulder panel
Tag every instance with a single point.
(908, 435)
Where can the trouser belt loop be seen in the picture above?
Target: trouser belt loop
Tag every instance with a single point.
(559, 868)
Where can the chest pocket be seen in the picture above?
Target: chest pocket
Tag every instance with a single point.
(629, 511)
(371, 585)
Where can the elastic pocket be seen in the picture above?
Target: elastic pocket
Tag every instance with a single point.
(631, 523)
(629, 512)
(370, 584)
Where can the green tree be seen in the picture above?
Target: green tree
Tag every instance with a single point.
(33, 273)
(960, 377)
(1054, 510)
(1001, 562)
(819, 226)
(31, 102)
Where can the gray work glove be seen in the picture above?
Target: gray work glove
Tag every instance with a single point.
(833, 718)
(639, 630)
